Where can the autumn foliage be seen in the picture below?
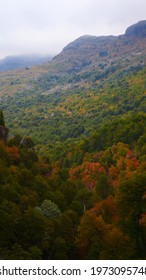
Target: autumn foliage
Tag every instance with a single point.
(92, 210)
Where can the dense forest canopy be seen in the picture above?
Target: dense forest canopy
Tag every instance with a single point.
(73, 153)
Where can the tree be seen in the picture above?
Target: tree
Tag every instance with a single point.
(15, 252)
(60, 249)
(10, 216)
(27, 142)
(31, 228)
(130, 205)
(66, 229)
(14, 141)
(91, 230)
(102, 187)
(49, 209)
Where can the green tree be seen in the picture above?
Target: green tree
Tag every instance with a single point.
(129, 200)
(27, 142)
(60, 249)
(31, 229)
(49, 209)
(15, 252)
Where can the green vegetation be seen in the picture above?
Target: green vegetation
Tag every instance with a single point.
(89, 206)
(59, 120)
(72, 171)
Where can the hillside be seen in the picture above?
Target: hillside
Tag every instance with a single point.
(93, 210)
(73, 153)
(92, 82)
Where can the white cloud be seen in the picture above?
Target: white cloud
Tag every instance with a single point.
(46, 26)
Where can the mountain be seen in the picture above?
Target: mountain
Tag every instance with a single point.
(138, 29)
(90, 51)
(73, 153)
(93, 82)
(22, 61)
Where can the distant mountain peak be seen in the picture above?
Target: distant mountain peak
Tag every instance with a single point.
(138, 29)
(88, 42)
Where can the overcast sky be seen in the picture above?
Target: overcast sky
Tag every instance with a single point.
(46, 26)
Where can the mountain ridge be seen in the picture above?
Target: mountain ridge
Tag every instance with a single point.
(137, 29)
(96, 43)
(94, 50)
(56, 97)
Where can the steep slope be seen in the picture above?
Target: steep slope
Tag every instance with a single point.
(91, 83)
(86, 211)
(86, 197)
(91, 51)
(138, 29)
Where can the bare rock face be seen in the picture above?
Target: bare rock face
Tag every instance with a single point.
(3, 133)
(138, 29)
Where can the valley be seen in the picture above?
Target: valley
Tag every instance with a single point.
(73, 152)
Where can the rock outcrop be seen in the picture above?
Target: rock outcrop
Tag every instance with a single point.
(138, 29)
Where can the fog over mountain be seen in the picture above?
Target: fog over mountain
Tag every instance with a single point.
(45, 27)
(22, 61)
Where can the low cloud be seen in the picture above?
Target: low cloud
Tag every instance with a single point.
(46, 26)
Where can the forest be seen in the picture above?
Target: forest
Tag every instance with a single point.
(90, 204)
(73, 153)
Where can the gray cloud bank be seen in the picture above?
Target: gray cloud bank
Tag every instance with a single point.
(46, 26)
